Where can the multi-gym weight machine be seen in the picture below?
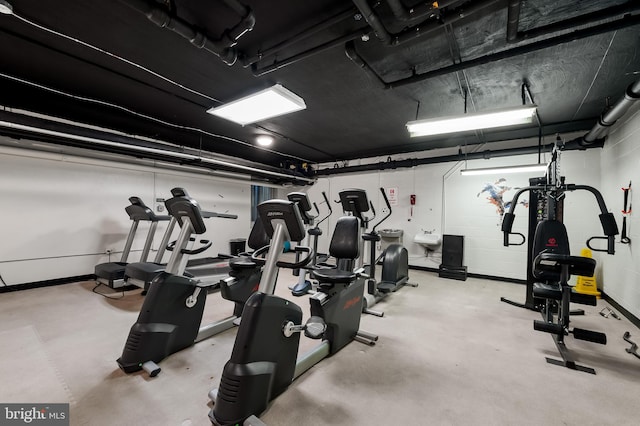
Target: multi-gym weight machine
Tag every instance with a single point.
(549, 263)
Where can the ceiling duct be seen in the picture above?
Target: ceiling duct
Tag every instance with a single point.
(420, 11)
(513, 35)
(75, 135)
(223, 47)
(608, 118)
(421, 29)
(487, 154)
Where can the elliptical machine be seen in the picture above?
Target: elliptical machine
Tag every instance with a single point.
(170, 316)
(304, 285)
(395, 263)
(395, 267)
(263, 362)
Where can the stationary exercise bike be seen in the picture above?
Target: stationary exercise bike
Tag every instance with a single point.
(170, 316)
(263, 362)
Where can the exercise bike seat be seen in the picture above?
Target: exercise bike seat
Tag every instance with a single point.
(242, 262)
(334, 276)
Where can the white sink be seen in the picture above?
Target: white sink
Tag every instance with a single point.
(429, 241)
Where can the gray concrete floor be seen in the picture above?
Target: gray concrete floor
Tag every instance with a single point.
(450, 353)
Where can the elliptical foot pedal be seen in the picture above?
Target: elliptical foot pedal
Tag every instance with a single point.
(386, 288)
(301, 289)
(315, 328)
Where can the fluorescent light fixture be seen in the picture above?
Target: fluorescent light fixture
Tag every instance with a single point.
(267, 103)
(6, 8)
(264, 140)
(530, 168)
(473, 121)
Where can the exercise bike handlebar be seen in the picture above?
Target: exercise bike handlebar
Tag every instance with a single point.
(221, 215)
(257, 257)
(205, 246)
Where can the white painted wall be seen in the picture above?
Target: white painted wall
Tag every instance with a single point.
(620, 163)
(61, 213)
(448, 203)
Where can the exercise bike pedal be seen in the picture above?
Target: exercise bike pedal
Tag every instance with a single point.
(315, 328)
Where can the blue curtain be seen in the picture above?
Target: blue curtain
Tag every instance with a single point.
(258, 195)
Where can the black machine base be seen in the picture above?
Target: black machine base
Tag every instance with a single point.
(453, 272)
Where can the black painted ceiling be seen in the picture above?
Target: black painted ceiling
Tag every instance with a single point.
(356, 107)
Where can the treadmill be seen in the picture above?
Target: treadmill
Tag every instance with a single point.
(112, 273)
(208, 269)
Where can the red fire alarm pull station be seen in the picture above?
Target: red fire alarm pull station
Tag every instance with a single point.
(412, 199)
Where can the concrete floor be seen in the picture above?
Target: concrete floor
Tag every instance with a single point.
(450, 353)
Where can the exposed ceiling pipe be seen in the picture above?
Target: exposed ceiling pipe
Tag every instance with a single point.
(352, 53)
(50, 131)
(374, 21)
(223, 47)
(420, 11)
(412, 162)
(458, 14)
(513, 19)
(308, 32)
(576, 21)
(416, 32)
(624, 22)
(258, 72)
(608, 118)
(421, 29)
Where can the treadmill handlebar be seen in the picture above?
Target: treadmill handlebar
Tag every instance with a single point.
(221, 215)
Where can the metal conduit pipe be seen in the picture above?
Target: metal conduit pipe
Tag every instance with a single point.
(420, 11)
(412, 162)
(352, 53)
(373, 20)
(223, 47)
(588, 18)
(258, 72)
(624, 22)
(421, 29)
(335, 19)
(19, 125)
(513, 19)
(608, 118)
